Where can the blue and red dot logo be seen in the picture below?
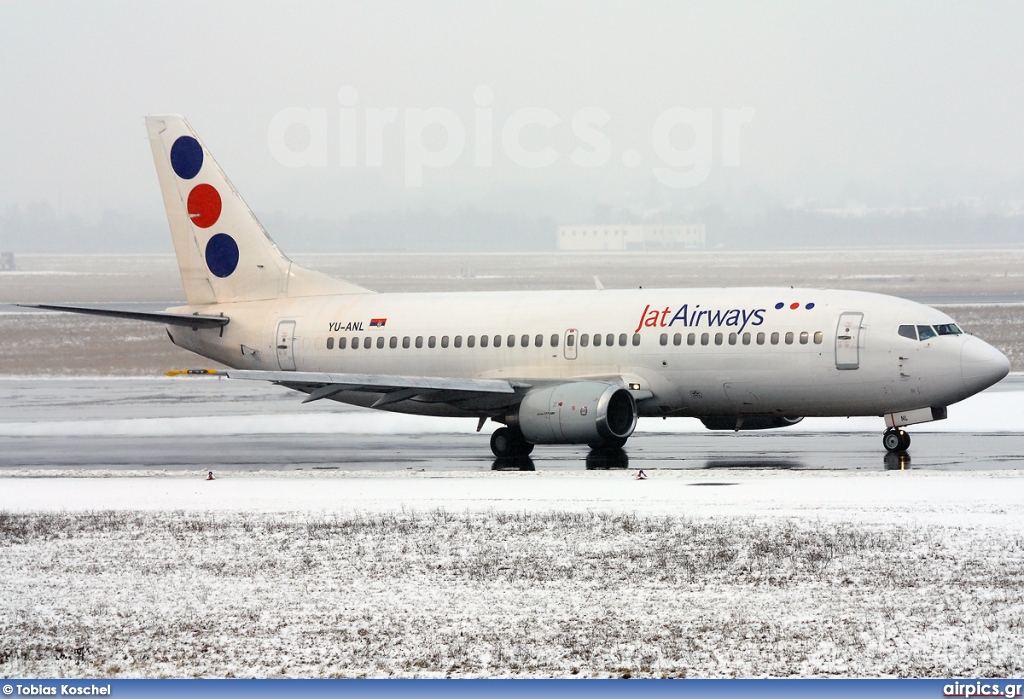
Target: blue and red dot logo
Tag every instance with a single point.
(222, 255)
(204, 206)
(793, 306)
(186, 157)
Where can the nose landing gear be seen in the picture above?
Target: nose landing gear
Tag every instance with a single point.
(895, 440)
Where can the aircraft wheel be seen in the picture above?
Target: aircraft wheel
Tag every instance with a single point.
(904, 440)
(895, 440)
(502, 443)
(506, 442)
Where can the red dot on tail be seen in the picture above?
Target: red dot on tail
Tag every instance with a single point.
(794, 306)
(204, 205)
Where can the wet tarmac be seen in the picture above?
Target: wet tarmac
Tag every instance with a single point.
(172, 425)
(451, 452)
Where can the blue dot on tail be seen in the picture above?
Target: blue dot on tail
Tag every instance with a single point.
(809, 306)
(779, 305)
(186, 157)
(222, 255)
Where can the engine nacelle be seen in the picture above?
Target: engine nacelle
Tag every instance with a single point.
(584, 412)
(748, 422)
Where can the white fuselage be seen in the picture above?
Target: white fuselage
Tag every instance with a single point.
(701, 352)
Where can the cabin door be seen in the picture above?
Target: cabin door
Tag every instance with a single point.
(848, 340)
(285, 342)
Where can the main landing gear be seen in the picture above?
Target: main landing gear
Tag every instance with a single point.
(507, 442)
(895, 440)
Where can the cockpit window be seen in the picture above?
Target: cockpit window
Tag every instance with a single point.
(948, 329)
(908, 331)
(925, 332)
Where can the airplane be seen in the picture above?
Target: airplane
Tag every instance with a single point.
(550, 367)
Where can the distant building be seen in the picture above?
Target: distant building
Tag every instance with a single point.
(634, 236)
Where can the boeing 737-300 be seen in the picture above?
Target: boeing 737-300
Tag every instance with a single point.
(552, 367)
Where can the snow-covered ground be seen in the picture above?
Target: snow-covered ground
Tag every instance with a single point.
(513, 574)
(727, 572)
(963, 499)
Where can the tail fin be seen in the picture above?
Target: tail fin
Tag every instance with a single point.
(224, 254)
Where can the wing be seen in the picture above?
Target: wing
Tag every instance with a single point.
(470, 394)
(190, 321)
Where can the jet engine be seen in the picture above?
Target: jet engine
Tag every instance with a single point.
(748, 422)
(584, 412)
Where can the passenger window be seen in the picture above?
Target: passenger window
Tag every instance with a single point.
(554, 341)
(458, 341)
(355, 343)
(432, 341)
(775, 338)
(419, 342)
(908, 331)
(732, 338)
(818, 337)
(622, 339)
(803, 338)
(677, 339)
(497, 340)
(380, 342)
(342, 341)
(405, 342)
(367, 342)
(330, 343)
(511, 340)
(663, 339)
(705, 338)
(636, 340)
(925, 332)
(584, 340)
(484, 340)
(444, 342)
(760, 338)
(746, 338)
(570, 340)
(597, 339)
(393, 342)
(609, 339)
(691, 339)
(471, 341)
(789, 338)
(526, 341)
(718, 338)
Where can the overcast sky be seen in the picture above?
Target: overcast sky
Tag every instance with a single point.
(880, 104)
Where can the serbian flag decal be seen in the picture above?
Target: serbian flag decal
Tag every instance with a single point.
(378, 322)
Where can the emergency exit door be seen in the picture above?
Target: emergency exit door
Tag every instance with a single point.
(285, 342)
(848, 341)
(570, 344)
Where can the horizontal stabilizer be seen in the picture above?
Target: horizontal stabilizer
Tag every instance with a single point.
(189, 321)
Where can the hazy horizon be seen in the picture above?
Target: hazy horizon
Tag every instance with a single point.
(801, 125)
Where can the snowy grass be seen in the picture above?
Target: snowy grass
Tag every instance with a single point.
(413, 593)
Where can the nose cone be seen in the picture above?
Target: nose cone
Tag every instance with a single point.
(982, 365)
